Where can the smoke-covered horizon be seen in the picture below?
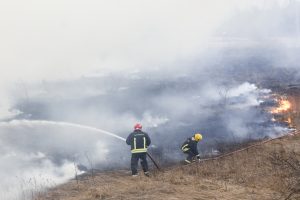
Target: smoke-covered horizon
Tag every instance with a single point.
(177, 67)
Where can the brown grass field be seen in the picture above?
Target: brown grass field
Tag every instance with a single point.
(266, 171)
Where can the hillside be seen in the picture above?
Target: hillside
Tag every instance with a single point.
(269, 170)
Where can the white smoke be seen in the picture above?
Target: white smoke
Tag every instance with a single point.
(248, 94)
(67, 39)
(175, 66)
(25, 175)
(153, 121)
(36, 155)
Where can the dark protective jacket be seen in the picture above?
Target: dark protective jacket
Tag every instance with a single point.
(190, 145)
(139, 141)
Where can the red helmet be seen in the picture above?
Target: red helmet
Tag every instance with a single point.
(137, 126)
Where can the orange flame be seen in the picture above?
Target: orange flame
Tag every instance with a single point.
(284, 105)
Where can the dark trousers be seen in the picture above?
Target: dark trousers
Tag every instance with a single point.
(190, 156)
(135, 159)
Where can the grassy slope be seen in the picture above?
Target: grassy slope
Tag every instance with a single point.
(258, 173)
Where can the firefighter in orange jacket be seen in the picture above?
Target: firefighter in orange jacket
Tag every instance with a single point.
(189, 147)
(139, 141)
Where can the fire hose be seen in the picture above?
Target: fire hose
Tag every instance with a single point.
(295, 132)
(154, 162)
(291, 133)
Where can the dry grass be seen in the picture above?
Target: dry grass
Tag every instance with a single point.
(258, 173)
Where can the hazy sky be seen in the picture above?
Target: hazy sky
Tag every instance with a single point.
(50, 39)
(66, 38)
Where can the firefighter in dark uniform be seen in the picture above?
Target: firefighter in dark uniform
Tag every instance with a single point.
(139, 142)
(189, 147)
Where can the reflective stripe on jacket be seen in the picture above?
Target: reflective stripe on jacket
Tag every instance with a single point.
(139, 141)
(185, 147)
(190, 145)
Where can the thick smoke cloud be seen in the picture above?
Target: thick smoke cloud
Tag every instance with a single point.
(40, 154)
(188, 67)
(66, 39)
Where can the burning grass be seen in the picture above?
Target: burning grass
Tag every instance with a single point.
(284, 105)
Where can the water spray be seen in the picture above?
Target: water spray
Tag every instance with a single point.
(44, 122)
(30, 122)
